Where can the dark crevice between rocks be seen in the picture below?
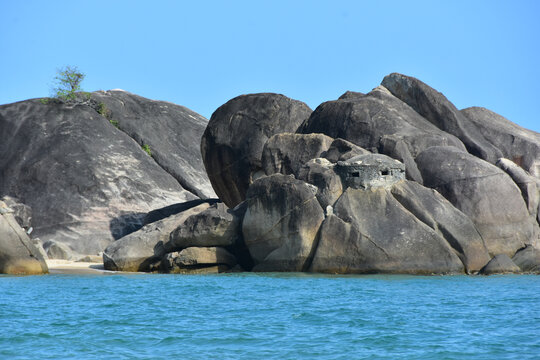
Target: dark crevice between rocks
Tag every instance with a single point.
(239, 249)
(313, 251)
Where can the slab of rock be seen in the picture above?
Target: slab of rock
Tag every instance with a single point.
(500, 264)
(371, 232)
(286, 153)
(57, 250)
(18, 255)
(203, 256)
(483, 192)
(379, 122)
(86, 181)
(281, 222)
(21, 212)
(520, 145)
(528, 184)
(139, 250)
(528, 259)
(214, 226)
(436, 108)
(342, 150)
(455, 227)
(172, 132)
(233, 142)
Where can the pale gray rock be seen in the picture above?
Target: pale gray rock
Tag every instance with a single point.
(483, 192)
(233, 142)
(18, 255)
(58, 250)
(320, 172)
(500, 264)
(528, 259)
(342, 150)
(203, 256)
(281, 222)
(529, 185)
(286, 153)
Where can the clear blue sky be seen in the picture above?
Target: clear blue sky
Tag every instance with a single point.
(202, 53)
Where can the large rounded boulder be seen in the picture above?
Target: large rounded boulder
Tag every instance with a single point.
(233, 142)
(281, 223)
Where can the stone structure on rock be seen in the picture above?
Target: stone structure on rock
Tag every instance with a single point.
(370, 171)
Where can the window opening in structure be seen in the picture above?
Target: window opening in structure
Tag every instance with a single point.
(385, 172)
(355, 174)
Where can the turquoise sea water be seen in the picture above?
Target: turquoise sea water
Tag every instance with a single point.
(270, 316)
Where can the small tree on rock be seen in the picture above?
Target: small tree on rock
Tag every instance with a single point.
(68, 82)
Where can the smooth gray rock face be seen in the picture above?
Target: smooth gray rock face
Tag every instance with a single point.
(58, 250)
(455, 227)
(281, 222)
(172, 132)
(320, 172)
(139, 250)
(484, 193)
(18, 255)
(86, 181)
(351, 95)
(436, 108)
(520, 145)
(342, 150)
(233, 142)
(500, 264)
(286, 153)
(379, 122)
(528, 259)
(215, 226)
(21, 212)
(371, 232)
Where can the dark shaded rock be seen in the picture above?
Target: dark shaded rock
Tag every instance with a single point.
(138, 251)
(520, 145)
(455, 227)
(21, 212)
(78, 173)
(18, 255)
(379, 122)
(57, 250)
(341, 150)
(281, 222)
(371, 232)
(233, 142)
(483, 192)
(214, 226)
(320, 172)
(159, 214)
(286, 153)
(528, 259)
(500, 264)
(172, 132)
(436, 108)
(348, 95)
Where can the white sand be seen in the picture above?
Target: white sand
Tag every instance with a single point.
(72, 267)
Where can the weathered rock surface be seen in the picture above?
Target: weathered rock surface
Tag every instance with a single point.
(86, 181)
(172, 132)
(455, 227)
(520, 145)
(139, 250)
(500, 264)
(379, 122)
(18, 255)
(371, 232)
(281, 222)
(21, 212)
(342, 150)
(204, 256)
(233, 142)
(214, 226)
(286, 153)
(484, 193)
(320, 172)
(528, 259)
(57, 250)
(436, 108)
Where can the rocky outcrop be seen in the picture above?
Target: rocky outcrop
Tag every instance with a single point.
(18, 255)
(281, 222)
(171, 132)
(485, 193)
(320, 172)
(88, 182)
(500, 264)
(520, 145)
(435, 107)
(233, 142)
(141, 250)
(199, 260)
(528, 259)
